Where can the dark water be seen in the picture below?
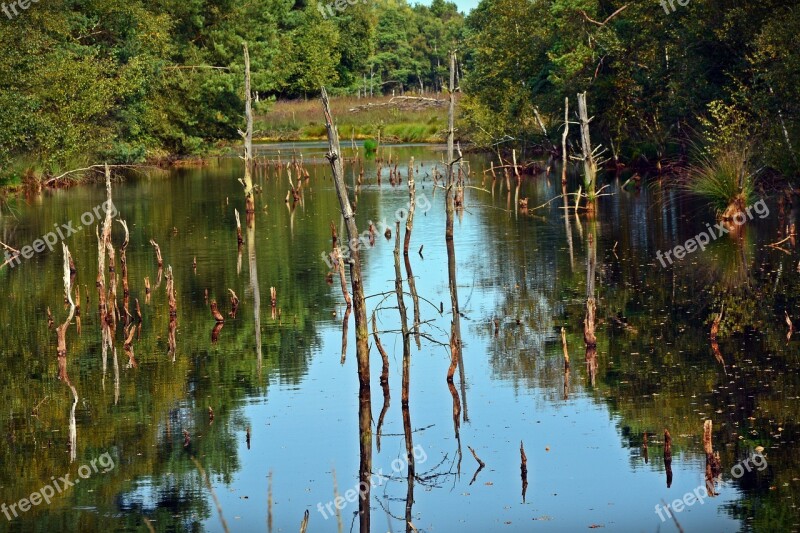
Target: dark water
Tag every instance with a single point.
(587, 466)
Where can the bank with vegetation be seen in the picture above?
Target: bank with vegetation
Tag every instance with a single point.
(706, 92)
(386, 119)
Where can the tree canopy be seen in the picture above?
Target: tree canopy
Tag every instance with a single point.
(652, 72)
(119, 81)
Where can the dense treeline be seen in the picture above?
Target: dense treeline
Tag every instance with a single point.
(661, 77)
(121, 80)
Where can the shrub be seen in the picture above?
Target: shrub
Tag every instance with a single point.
(370, 145)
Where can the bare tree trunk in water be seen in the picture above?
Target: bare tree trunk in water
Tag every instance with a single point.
(253, 266)
(568, 227)
(123, 260)
(455, 323)
(398, 285)
(589, 322)
(339, 265)
(248, 136)
(360, 311)
(61, 333)
(384, 379)
(564, 157)
(412, 194)
(173, 315)
(589, 164)
(668, 457)
(713, 467)
(411, 206)
(103, 244)
(450, 210)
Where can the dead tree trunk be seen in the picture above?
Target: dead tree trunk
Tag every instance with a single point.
(384, 380)
(409, 227)
(173, 305)
(401, 305)
(252, 262)
(173, 314)
(239, 238)
(589, 322)
(668, 456)
(713, 468)
(450, 210)
(564, 157)
(159, 259)
(451, 121)
(455, 324)
(589, 164)
(404, 401)
(523, 467)
(112, 312)
(411, 205)
(123, 261)
(101, 276)
(248, 136)
(334, 156)
(339, 265)
(61, 331)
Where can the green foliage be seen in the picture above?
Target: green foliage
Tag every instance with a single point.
(126, 80)
(649, 74)
(508, 64)
(124, 153)
(370, 145)
(775, 95)
(726, 128)
(412, 44)
(311, 54)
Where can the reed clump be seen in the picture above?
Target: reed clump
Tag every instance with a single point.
(725, 180)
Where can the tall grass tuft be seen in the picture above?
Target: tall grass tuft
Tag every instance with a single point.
(725, 180)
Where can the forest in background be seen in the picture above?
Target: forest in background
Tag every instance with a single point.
(662, 79)
(124, 81)
(120, 81)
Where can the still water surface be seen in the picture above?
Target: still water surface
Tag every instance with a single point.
(285, 427)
